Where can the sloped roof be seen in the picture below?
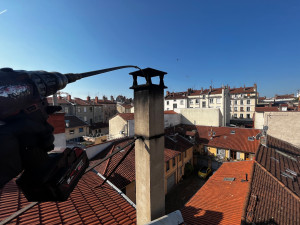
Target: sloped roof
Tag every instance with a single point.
(126, 116)
(224, 139)
(74, 121)
(219, 201)
(59, 101)
(125, 173)
(87, 204)
(284, 96)
(213, 91)
(269, 202)
(242, 90)
(176, 95)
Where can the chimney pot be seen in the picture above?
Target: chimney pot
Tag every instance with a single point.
(88, 98)
(69, 98)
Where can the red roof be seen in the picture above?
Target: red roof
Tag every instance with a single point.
(242, 90)
(87, 204)
(127, 106)
(57, 120)
(125, 173)
(176, 95)
(59, 100)
(224, 139)
(213, 91)
(284, 96)
(126, 116)
(170, 112)
(266, 109)
(219, 201)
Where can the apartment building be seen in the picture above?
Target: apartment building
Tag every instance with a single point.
(217, 98)
(243, 101)
(175, 100)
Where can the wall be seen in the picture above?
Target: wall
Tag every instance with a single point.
(181, 103)
(116, 125)
(94, 150)
(284, 126)
(76, 132)
(59, 141)
(203, 117)
(258, 120)
(172, 119)
(130, 191)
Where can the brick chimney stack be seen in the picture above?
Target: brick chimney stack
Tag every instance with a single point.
(149, 151)
(69, 98)
(112, 98)
(88, 98)
(96, 99)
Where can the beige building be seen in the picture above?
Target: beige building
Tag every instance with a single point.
(124, 108)
(243, 101)
(75, 128)
(121, 125)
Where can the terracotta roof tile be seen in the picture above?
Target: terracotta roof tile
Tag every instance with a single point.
(219, 201)
(176, 95)
(224, 139)
(126, 116)
(170, 112)
(242, 90)
(57, 120)
(87, 204)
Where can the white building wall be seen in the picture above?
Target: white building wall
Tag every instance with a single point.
(181, 104)
(172, 119)
(258, 120)
(202, 117)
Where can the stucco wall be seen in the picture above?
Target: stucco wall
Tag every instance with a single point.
(203, 117)
(258, 120)
(116, 125)
(76, 133)
(284, 125)
(172, 119)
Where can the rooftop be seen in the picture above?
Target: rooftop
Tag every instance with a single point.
(74, 121)
(87, 204)
(220, 201)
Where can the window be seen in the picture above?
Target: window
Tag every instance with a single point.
(248, 101)
(211, 100)
(72, 131)
(180, 157)
(241, 116)
(242, 109)
(174, 162)
(181, 102)
(203, 96)
(203, 104)
(66, 110)
(235, 109)
(191, 101)
(84, 118)
(91, 109)
(235, 116)
(235, 102)
(80, 129)
(248, 109)
(84, 109)
(167, 166)
(174, 106)
(248, 116)
(218, 100)
(197, 100)
(241, 102)
(174, 100)
(167, 102)
(79, 109)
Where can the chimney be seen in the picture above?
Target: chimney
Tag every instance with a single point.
(69, 98)
(112, 98)
(149, 151)
(96, 99)
(167, 93)
(59, 97)
(201, 89)
(88, 98)
(104, 98)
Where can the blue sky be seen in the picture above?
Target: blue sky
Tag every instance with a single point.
(196, 42)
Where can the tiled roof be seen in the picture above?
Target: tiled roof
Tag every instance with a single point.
(59, 100)
(170, 112)
(266, 109)
(224, 139)
(213, 91)
(87, 204)
(126, 116)
(284, 96)
(176, 95)
(125, 173)
(219, 201)
(269, 202)
(74, 121)
(282, 145)
(99, 125)
(127, 106)
(242, 90)
(57, 120)
(278, 163)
